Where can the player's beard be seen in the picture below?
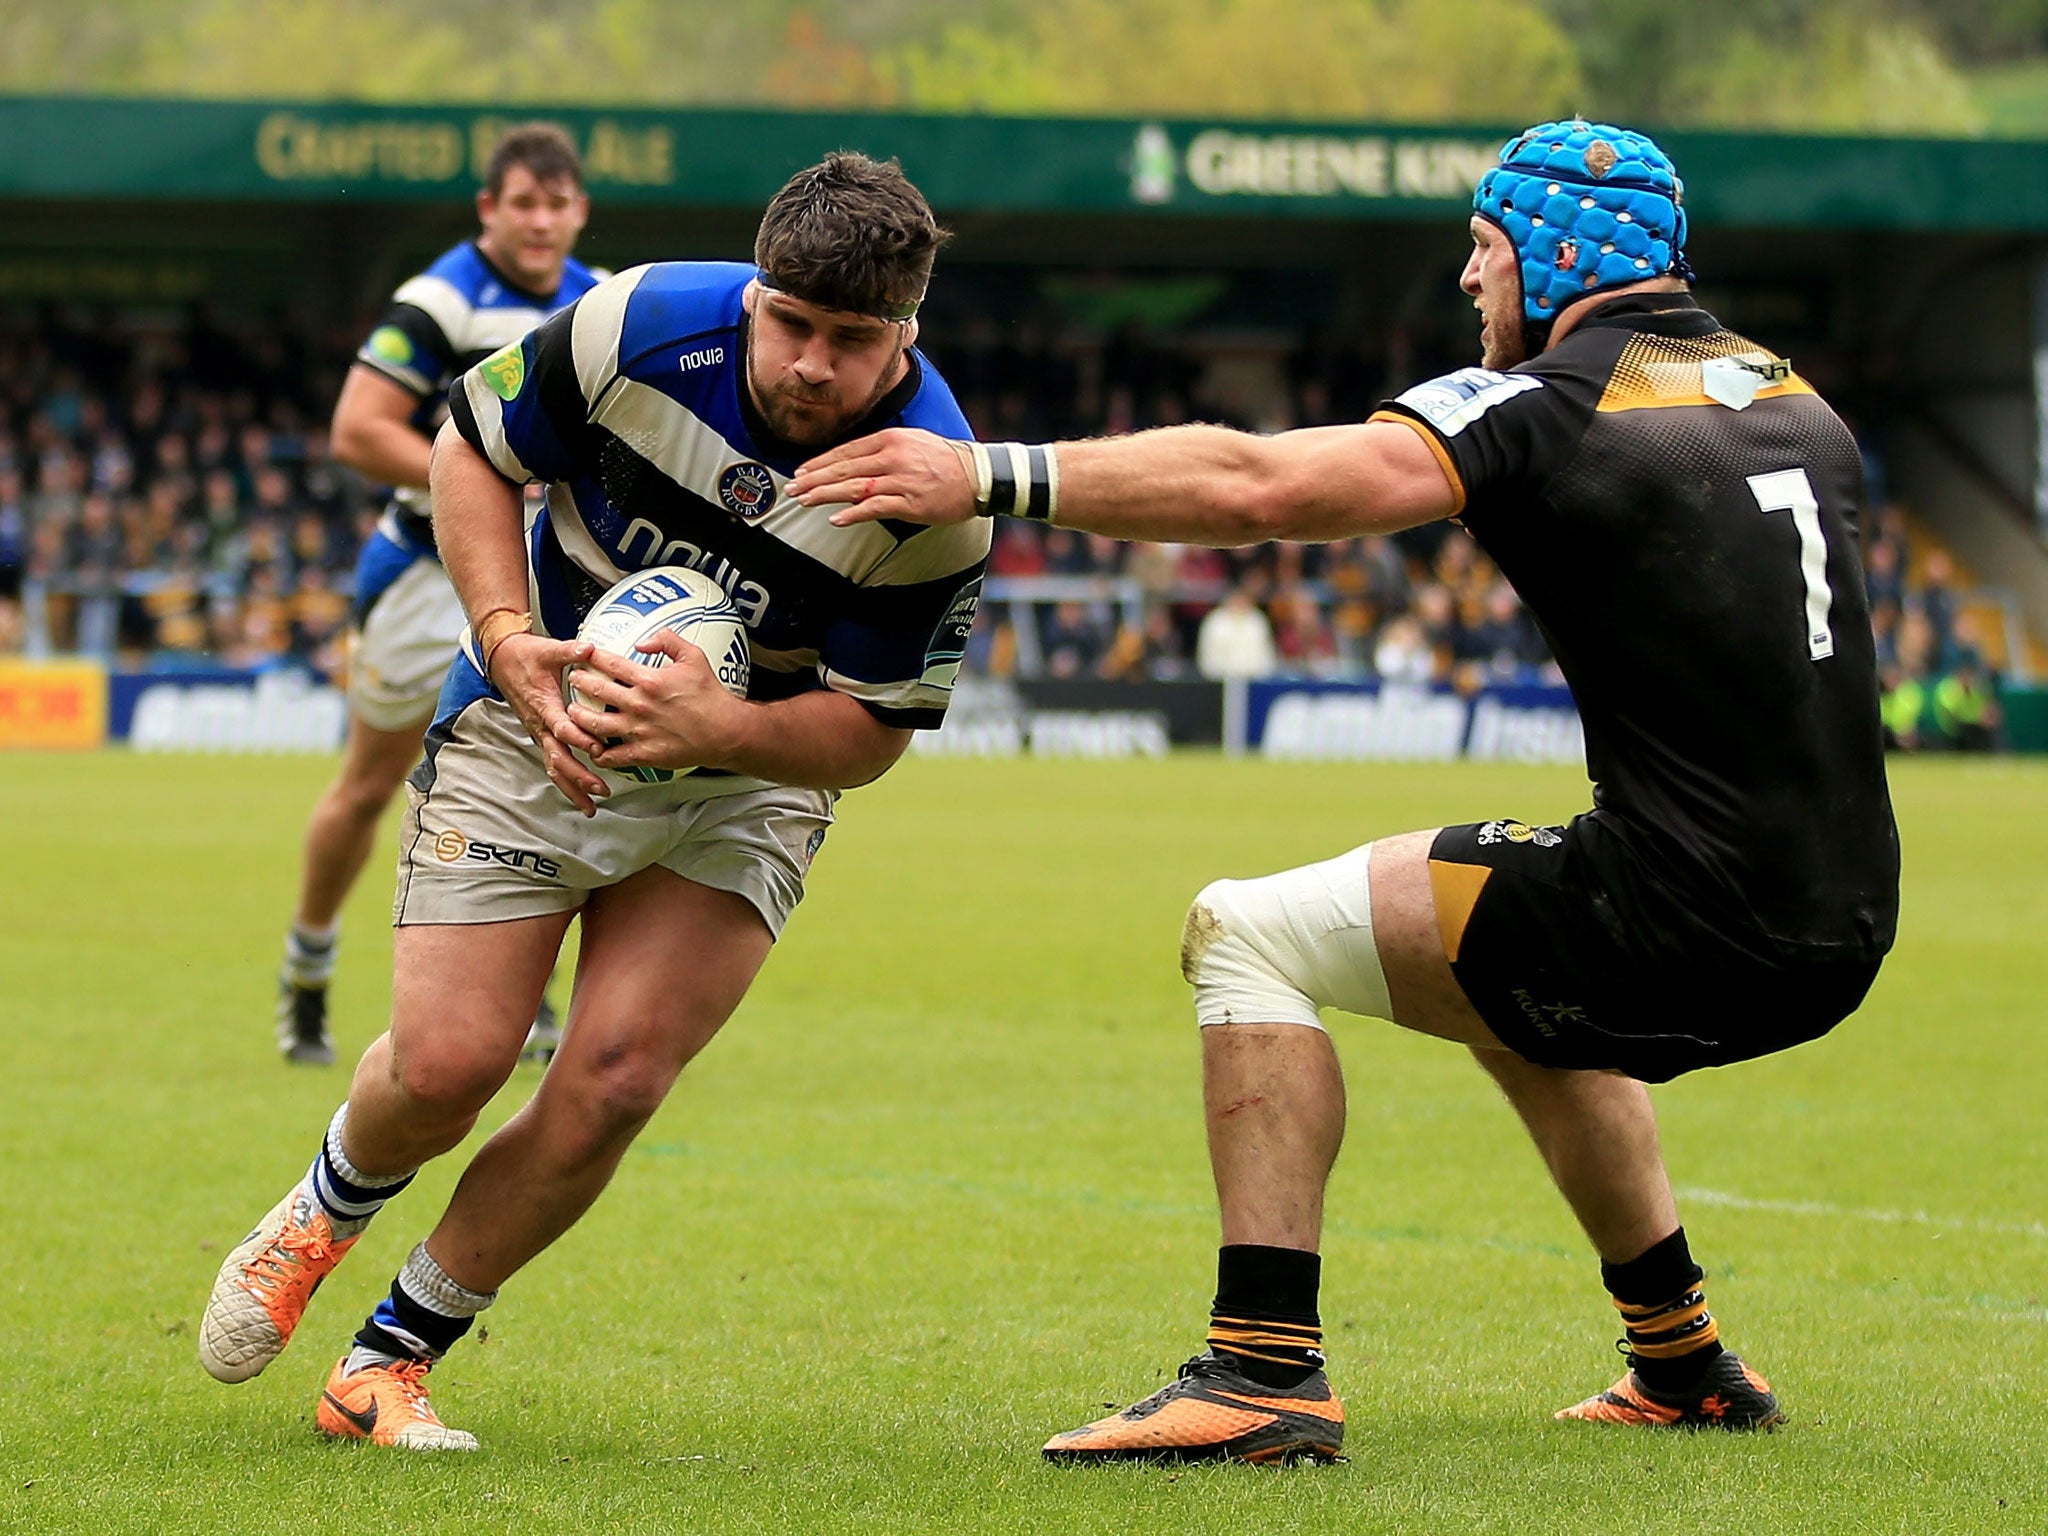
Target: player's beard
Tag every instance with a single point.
(1506, 335)
(1504, 338)
(814, 428)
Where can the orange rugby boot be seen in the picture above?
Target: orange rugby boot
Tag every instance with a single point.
(1210, 1412)
(386, 1404)
(264, 1284)
(1729, 1396)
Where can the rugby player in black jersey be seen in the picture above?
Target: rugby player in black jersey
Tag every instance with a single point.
(1677, 509)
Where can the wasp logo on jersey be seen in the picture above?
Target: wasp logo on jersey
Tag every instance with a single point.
(1518, 832)
(747, 489)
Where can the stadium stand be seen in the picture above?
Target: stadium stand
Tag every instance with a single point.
(166, 494)
(167, 499)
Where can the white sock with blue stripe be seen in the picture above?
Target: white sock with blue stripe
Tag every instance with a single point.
(309, 954)
(349, 1196)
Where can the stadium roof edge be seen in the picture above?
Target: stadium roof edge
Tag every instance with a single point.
(107, 148)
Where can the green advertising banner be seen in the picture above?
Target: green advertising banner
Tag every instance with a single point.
(2026, 718)
(59, 147)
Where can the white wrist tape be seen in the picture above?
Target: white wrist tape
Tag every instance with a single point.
(1017, 480)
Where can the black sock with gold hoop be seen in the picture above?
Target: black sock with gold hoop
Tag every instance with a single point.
(1265, 1314)
(1672, 1337)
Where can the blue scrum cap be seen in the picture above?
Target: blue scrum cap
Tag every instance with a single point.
(1586, 207)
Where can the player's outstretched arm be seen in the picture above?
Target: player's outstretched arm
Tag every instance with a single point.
(372, 432)
(680, 715)
(477, 527)
(1190, 485)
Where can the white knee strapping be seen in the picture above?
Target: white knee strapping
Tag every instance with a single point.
(1275, 950)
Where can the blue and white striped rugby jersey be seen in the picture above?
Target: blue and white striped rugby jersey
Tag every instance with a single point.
(632, 405)
(451, 316)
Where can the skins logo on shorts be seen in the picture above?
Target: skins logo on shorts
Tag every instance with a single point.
(1519, 832)
(504, 371)
(388, 344)
(812, 844)
(452, 847)
(747, 489)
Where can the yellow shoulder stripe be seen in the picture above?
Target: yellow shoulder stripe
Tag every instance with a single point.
(1639, 396)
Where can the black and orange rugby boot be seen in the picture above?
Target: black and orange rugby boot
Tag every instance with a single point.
(1728, 1396)
(1212, 1413)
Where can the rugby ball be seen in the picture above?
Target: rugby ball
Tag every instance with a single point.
(685, 602)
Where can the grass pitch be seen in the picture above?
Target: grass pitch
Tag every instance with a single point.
(939, 1191)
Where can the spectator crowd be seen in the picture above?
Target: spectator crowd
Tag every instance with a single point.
(1936, 690)
(167, 498)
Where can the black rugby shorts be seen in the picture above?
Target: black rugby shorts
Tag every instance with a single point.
(1575, 956)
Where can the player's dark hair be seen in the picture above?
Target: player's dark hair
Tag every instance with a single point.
(850, 233)
(545, 149)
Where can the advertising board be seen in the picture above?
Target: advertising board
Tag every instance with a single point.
(53, 704)
(1317, 720)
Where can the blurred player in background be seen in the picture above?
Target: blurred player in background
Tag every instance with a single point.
(1677, 508)
(477, 297)
(666, 409)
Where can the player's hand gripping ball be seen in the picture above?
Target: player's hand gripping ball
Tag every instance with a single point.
(675, 598)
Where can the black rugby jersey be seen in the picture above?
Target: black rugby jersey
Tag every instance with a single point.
(1678, 510)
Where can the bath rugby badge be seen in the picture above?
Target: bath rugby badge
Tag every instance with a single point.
(747, 489)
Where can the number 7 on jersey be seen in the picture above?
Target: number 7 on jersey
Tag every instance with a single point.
(1788, 490)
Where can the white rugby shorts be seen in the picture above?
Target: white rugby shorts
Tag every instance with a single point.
(488, 837)
(399, 656)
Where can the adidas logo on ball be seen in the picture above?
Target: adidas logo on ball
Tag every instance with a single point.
(737, 665)
(688, 604)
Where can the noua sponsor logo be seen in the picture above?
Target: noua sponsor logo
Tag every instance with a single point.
(453, 846)
(504, 371)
